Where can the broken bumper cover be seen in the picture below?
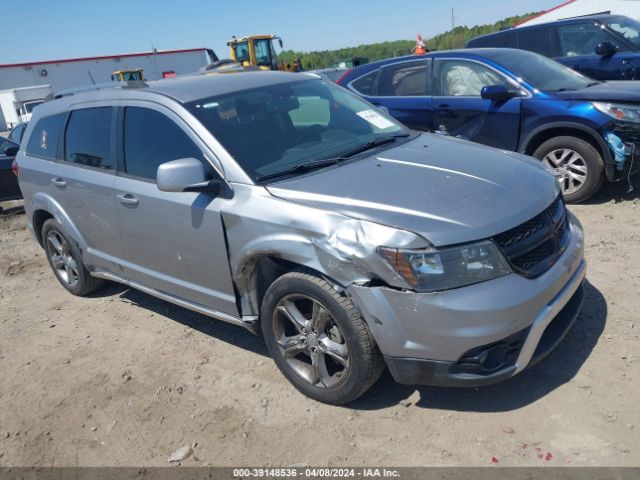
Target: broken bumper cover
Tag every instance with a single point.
(476, 335)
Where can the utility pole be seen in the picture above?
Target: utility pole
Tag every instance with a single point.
(453, 26)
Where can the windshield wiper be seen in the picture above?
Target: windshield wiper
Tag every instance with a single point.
(376, 142)
(303, 167)
(327, 162)
(592, 84)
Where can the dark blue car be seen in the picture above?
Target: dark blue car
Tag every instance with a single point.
(586, 131)
(604, 47)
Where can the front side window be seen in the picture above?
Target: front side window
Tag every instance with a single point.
(45, 136)
(536, 40)
(270, 129)
(151, 139)
(88, 138)
(459, 78)
(409, 79)
(583, 38)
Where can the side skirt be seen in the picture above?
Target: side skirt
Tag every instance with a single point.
(248, 322)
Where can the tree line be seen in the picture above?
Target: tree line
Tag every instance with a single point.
(456, 38)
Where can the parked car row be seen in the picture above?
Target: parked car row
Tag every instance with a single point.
(292, 207)
(585, 131)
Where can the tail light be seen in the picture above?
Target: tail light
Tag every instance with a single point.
(14, 168)
(339, 81)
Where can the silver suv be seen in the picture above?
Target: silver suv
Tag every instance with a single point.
(291, 207)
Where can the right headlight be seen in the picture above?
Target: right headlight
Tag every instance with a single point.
(447, 268)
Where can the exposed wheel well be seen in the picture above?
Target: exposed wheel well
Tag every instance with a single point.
(545, 135)
(39, 217)
(265, 271)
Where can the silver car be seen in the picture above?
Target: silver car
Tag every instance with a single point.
(290, 207)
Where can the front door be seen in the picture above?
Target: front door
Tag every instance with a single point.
(172, 242)
(460, 111)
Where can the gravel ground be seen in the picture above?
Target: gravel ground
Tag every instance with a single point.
(124, 379)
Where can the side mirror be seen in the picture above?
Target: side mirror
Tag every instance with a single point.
(186, 175)
(11, 151)
(497, 92)
(606, 49)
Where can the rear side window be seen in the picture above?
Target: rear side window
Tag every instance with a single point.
(151, 139)
(367, 85)
(88, 138)
(410, 79)
(45, 136)
(535, 41)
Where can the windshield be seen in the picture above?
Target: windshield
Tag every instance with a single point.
(627, 28)
(541, 72)
(274, 128)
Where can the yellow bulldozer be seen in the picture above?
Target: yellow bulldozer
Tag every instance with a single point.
(259, 51)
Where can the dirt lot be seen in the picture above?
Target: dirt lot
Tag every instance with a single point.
(124, 379)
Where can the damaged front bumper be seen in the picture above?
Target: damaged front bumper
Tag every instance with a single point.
(476, 335)
(623, 141)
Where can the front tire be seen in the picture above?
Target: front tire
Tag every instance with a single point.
(576, 164)
(66, 261)
(318, 339)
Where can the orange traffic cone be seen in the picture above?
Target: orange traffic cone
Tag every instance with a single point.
(421, 48)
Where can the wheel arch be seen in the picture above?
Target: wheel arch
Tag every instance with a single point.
(546, 132)
(44, 207)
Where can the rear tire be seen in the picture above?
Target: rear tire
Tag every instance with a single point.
(318, 339)
(66, 261)
(576, 164)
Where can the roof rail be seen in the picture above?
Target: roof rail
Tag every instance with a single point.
(132, 84)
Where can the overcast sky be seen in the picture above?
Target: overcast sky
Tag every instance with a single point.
(51, 29)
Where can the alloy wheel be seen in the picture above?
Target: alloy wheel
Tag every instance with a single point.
(311, 341)
(568, 167)
(63, 262)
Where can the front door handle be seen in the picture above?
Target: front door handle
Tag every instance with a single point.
(58, 182)
(127, 199)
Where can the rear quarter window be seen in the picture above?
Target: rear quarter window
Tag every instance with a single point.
(45, 136)
(500, 40)
(367, 85)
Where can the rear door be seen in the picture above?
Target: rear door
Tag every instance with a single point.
(173, 242)
(576, 48)
(403, 90)
(83, 181)
(460, 111)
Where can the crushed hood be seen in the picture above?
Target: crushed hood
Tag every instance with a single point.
(447, 190)
(615, 91)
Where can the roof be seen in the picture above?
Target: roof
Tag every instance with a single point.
(189, 88)
(541, 14)
(104, 57)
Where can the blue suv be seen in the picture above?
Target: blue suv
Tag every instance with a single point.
(604, 47)
(584, 130)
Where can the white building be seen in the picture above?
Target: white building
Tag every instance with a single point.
(579, 8)
(75, 72)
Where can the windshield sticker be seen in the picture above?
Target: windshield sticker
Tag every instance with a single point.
(375, 119)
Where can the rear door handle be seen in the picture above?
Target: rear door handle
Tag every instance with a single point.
(58, 182)
(127, 199)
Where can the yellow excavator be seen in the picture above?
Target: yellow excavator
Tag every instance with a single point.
(258, 51)
(128, 75)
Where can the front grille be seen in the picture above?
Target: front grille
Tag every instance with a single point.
(534, 246)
